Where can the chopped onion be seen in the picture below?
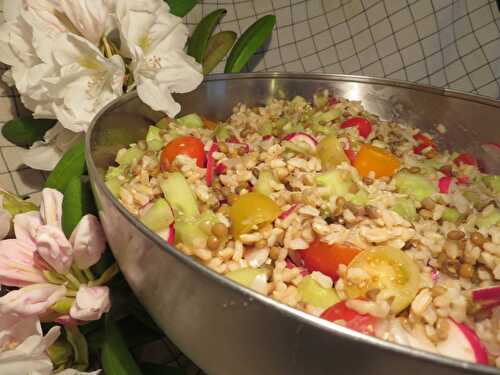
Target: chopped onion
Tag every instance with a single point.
(287, 213)
(444, 184)
(257, 257)
(171, 234)
(489, 293)
(210, 163)
(259, 284)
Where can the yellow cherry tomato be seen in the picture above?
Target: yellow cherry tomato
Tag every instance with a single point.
(330, 152)
(252, 209)
(389, 270)
(376, 159)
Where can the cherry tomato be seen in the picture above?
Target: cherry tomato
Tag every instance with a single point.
(378, 160)
(391, 271)
(364, 126)
(465, 158)
(330, 152)
(185, 145)
(209, 124)
(325, 258)
(252, 209)
(363, 323)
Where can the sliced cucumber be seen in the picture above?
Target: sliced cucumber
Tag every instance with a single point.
(416, 186)
(405, 208)
(338, 182)
(313, 293)
(245, 276)
(191, 121)
(451, 214)
(493, 182)
(153, 139)
(127, 157)
(180, 196)
(486, 221)
(159, 216)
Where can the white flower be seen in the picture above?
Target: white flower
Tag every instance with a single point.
(90, 303)
(46, 154)
(86, 81)
(88, 242)
(24, 350)
(154, 39)
(31, 300)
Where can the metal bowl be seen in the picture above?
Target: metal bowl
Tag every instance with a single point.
(223, 327)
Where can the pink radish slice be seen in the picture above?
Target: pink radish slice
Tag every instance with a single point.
(485, 294)
(462, 343)
(301, 137)
(267, 137)
(332, 101)
(444, 184)
(435, 275)
(171, 234)
(220, 168)
(462, 180)
(287, 213)
(245, 146)
(210, 163)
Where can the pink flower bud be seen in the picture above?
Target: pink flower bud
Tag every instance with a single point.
(17, 264)
(31, 300)
(53, 246)
(26, 226)
(51, 207)
(88, 242)
(90, 303)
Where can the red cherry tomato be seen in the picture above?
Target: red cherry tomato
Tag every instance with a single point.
(465, 158)
(364, 126)
(185, 145)
(325, 258)
(363, 323)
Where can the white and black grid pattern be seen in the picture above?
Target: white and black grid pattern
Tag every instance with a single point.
(445, 43)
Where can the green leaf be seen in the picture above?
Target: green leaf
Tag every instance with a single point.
(202, 33)
(156, 369)
(24, 131)
(249, 42)
(180, 8)
(71, 165)
(218, 47)
(115, 357)
(78, 201)
(80, 348)
(16, 205)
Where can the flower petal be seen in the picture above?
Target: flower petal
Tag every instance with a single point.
(31, 300)
(54, 248)
(5, 223)
(51, 207)
(25, 227)
(17, 264)
(88, 241)
(90, 303)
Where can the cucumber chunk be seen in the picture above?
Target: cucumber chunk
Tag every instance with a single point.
(338, 182)
(245, 276)
(159, 216)
(191, 121)
(312, 292)
(451, 214)
(153, 139)
(127, 157)
(114, 185)
(180, 196)
(493, 182)
(416, 186)
(405, 208)
(486, 221)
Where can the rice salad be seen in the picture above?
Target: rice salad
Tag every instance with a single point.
(327, 208)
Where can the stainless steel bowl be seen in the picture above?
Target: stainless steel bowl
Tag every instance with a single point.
(223, 327)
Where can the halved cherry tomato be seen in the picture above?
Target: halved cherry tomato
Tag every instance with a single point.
(325, 258)
(363, 323)
(252, 209)
(389, 270)
(465, 158)
(209, 124)
(185, 145)
(378, 160)
(364, 126)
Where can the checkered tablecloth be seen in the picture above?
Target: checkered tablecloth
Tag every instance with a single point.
(446, 43)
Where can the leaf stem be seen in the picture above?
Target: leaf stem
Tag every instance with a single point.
(88, 273)
(73, 281)
(106, 276)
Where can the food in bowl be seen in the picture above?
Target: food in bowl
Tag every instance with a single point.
(331, 210)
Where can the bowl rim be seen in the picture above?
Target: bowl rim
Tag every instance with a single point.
(268, 302)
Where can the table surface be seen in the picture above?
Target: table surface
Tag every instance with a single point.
(445, 43)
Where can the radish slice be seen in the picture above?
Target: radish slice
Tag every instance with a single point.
(444, 184)
(267, 137)
(421, 147)
(465, 158)
(332, 101)
(462, 180)
(484, 294)
(210, 163)
(351, 155)
(462, 343)
(435, 275)
(171, 234)
(301, 137)
(220, 168)
(287, 213)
